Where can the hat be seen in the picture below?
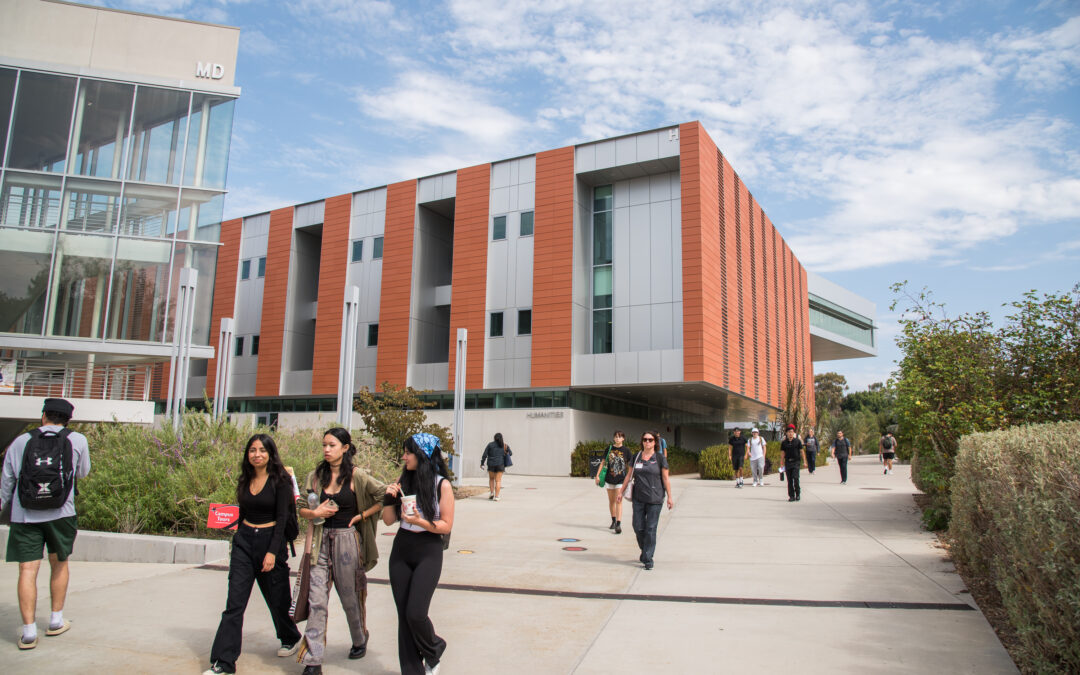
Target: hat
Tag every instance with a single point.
(58, 405)
(791, 426)
(426, 442)
(754, 430)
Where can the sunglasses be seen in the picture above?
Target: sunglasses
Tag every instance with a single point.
(648, 440)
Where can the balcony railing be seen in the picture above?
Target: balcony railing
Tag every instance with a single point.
(66, 379)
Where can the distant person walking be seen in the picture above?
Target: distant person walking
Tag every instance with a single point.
(259, 554)
(739, 452)
(794, 454)
(811, 450)
(39, 474)
(343, 545)
(841, 451)
(495, 456)
(887, 450)
(757, 457)
(614, 467)
(649, 476)
(423, 501)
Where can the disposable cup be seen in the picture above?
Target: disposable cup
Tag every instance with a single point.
(408, 504)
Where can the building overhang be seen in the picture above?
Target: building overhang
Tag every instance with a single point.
(686, 402)
(828, 346)
(103, 350)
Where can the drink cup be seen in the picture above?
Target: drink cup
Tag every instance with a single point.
(408, 504)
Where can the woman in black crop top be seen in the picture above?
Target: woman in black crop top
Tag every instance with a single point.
(265, 495)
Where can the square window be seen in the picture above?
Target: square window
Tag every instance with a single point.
(498, 230)
(524, 322)
(373, 335)
(245, 269)
(376, 249)
(358, 250)
(239, 351)
(262, 267)
(496, 324)
(526, 223)
(254, 345)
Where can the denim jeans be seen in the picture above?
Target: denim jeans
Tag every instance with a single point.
(646, 518)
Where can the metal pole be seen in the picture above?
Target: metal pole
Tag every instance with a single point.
(347, 358)
(224, 367)
(458, 463)
(185, 312)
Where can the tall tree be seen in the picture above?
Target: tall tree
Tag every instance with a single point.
(829, 392)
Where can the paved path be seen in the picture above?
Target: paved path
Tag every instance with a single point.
(843, 581)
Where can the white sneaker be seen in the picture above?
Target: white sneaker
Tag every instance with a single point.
(428, 670)
(496, 499)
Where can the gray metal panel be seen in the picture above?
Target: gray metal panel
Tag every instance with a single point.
(649, 366)
(640, 256)
(639, 191)
(585, 157)
(660, 272)
(523, 268)
(621, 267)
(604, 365)
(662, 326)
(660, 187)
(583, 369)
(676, 249)
(640, 333)
(626, 368)
(500, 201)
(494, 374)
(626, 150)
(527, 170)
(605, 154)
(669, 142)
(620, 328)
(522, 373)
(308, 214)
(648, 146)
(671, 365)
(677, 324)
(500, 174)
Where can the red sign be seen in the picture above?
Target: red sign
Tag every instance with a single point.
(223, 516)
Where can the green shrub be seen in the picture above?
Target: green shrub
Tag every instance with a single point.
(579, 457)
(681, 461)
(715, 463)
(1016, 521)
(147, 481)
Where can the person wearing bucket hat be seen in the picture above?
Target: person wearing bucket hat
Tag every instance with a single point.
(38, 486)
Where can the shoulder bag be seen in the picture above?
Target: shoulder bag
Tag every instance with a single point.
(507, 462)
(299, 609)
(602, 475)
(628, 493)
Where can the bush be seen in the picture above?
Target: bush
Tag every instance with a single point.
(715, 463)
(147, 481)
(1016, 521)
(680, 460)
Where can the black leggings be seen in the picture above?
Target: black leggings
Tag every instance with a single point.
(415, 568)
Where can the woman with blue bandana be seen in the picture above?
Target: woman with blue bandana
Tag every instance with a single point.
(423, 501)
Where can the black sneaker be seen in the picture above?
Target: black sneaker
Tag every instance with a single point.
(215, 669)
(612, 525)
(312, 670)
(358, 652)
(648, 565)
(791, 499)
(618, 528)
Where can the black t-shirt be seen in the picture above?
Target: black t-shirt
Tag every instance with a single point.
(648, 481)
(842, 447)
(346, 501)
(618, 462)
(791, 449)
(738, 445)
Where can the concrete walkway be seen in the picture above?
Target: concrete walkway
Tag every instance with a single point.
(843, 581)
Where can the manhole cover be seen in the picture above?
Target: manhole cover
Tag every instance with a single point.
(568, 539)
(465, 551)
(574, 548)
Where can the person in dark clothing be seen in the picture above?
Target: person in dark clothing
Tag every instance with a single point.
(649, 473)
(811, 450)
(739, 452)
(494, 456)
(265, 495)
(794, 454)
(616, 461)
(417, 556)
(841, 451)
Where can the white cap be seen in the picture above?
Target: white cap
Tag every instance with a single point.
(754, 430)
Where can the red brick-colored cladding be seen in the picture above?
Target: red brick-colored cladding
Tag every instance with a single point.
(553, 249)
(333, 274)
(393, 353)
(703, 304)
(225, 280)
(468, 291)
(275, 290)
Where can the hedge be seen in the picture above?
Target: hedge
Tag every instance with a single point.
(680, 460)
(1016, 522)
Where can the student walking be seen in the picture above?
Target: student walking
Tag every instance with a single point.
(841, 451)
(811, 450)
(739, 452)
(39, 474)
(757, 457)
(794, 455)
(613, 468)
(259, 554)
(887, 450)
(495, 456)
(423, 501)
(649, 476)
(343, 545)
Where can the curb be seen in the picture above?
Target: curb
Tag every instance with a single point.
(115, 547)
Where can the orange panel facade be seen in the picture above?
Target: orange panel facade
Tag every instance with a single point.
(225, 280)
(468, 303)
(275, 287)
(396, 293)
(553, 251)
(333, 274)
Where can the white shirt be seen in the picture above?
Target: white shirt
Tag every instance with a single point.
(757, 448)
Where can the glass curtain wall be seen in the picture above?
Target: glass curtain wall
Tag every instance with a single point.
(107, 190)
(602, 277)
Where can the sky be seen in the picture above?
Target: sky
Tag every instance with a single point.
(933, 143)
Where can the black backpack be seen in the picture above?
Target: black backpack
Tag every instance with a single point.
(886, 443)
(48, 470)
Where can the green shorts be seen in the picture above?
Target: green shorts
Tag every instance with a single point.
(25, 540)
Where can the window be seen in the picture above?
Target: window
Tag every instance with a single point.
(254, 345)
(239, 351)
(496, 325)
(245, 269)
(376, 249)
(498, 230)
(373, 335)
(262, 267)
(524, 322)
(526, 224)
(358, 250)
(602, 270)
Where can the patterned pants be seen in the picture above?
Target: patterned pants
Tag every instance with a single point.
(340, 563)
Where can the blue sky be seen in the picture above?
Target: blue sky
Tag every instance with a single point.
(930, 142)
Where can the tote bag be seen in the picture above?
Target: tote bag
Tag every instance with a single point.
(299, 609)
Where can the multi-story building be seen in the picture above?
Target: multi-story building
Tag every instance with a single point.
(114, 143)
(628, 283)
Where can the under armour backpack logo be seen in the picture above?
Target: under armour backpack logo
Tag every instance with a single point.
(43, 488)
(47, 461)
